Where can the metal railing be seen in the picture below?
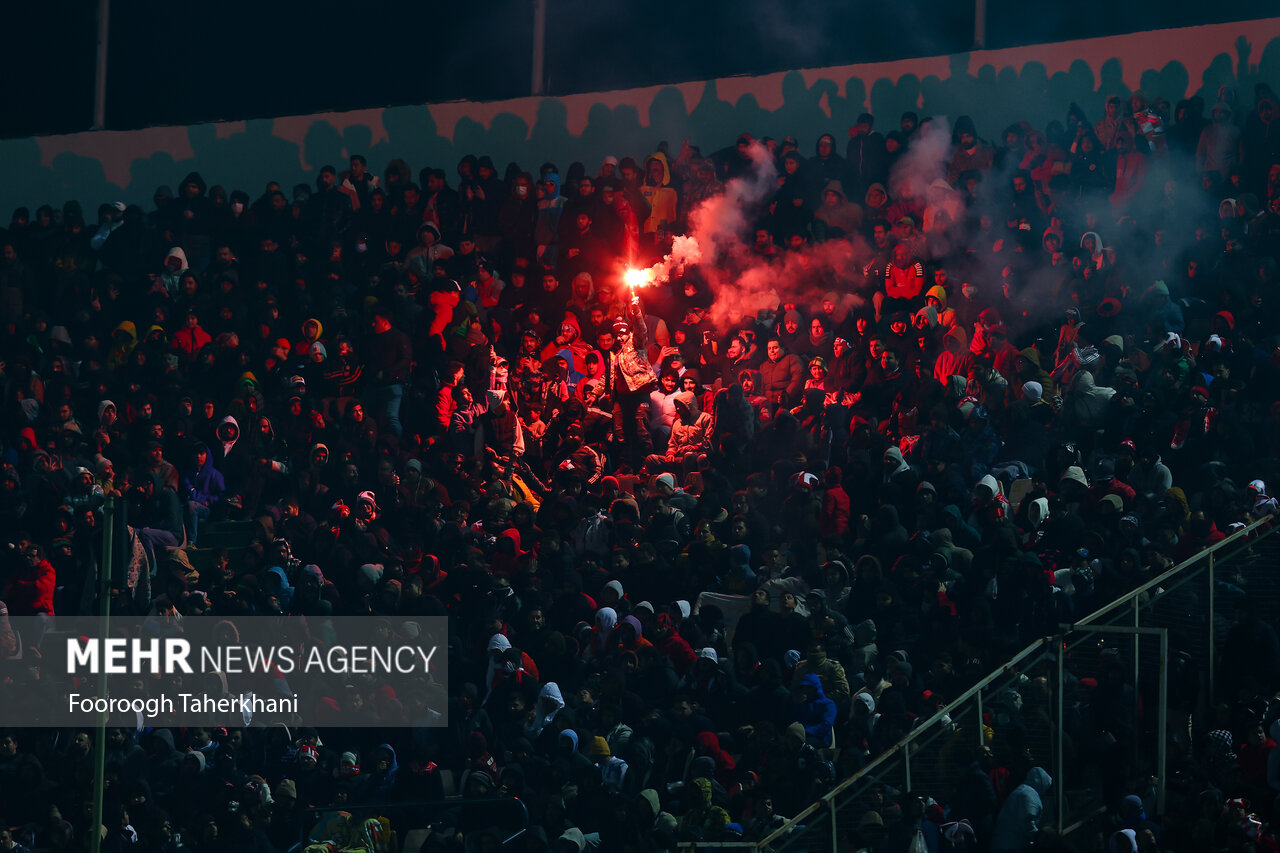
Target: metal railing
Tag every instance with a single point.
(922, 750)
(1181, 603)
(1184, 610)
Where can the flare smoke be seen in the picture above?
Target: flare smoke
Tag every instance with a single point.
(744, 283)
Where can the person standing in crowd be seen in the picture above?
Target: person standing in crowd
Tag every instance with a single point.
(391, 357)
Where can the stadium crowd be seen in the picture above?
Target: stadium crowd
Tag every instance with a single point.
(696, 571)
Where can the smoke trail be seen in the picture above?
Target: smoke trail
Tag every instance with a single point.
(718, 223)
(800, 278)
(924, 163)
(745, 284)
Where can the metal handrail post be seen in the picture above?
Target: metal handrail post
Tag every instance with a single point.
(831, 806)
(106, 570)
(1060, 778)
(1137, 669)
(1163, 724)
(1213, 628)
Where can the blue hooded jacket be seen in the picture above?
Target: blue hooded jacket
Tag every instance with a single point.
(379, 784)
(818, 715)
(285, 591)
(206, 485)
(1019, 818)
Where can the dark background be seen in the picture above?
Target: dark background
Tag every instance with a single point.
(186, 62)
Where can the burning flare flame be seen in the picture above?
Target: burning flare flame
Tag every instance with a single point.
(634, 278)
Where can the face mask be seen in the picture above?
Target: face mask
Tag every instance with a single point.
(237, 207)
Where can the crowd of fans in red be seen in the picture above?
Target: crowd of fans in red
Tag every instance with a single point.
(696, 572)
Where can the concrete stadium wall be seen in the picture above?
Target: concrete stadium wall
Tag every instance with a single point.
(994, 87)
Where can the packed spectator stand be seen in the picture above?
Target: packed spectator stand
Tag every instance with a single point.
(699, 563)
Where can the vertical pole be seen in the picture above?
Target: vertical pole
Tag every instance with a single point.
(1213, 628)
(979, 24)
(1137, 672)
(831, 805)
(106, 567)
(1060, 780)
(906, 762)
(1137, 623)
(100, 68)
(539, 82)
(1163, 724)
(982, 738)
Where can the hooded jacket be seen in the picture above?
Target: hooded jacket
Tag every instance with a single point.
(550, 702)
(1035, 373)
(1019, 818)
(233, 458)
(171, 279)
(284, 591)
(951, 361)
(661, 821)
(939, 315)
(205, 485)
(829, 168)
(550, 209)
(704, 821)
(662, 199)
(602, 634)
(1086, 402)
(841, 219)
(818, 714)
(692, 428)
(124, 340)
(497, 643)
(708, 744)
(977, 159)
(377, 785)
(675, 648)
